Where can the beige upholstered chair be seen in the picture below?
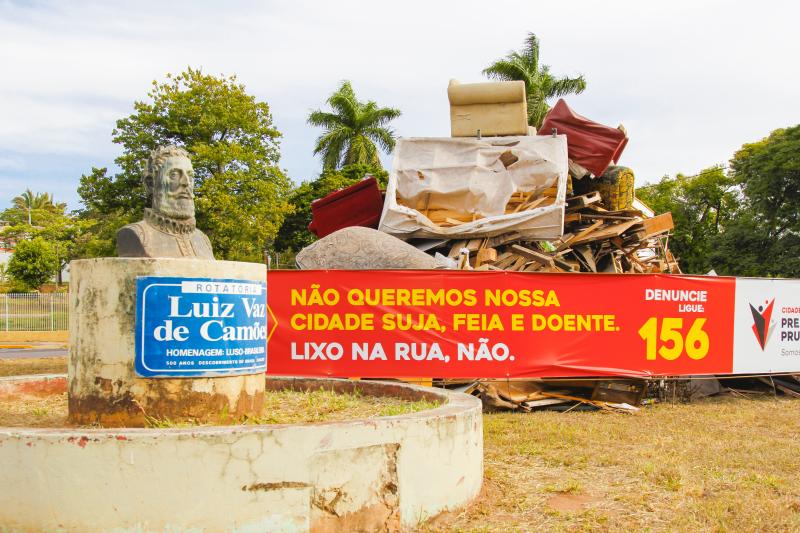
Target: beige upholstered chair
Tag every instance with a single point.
(494, 108)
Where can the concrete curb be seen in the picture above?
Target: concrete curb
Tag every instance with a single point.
(334, 476)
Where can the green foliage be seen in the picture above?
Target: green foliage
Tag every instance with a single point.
(701, 205)
(294, 234)
(352, 130)
(744, 223)
(764, 238)
(50, 222)
(540, 84)
(33, 209)
(34, 262)
(241, 193)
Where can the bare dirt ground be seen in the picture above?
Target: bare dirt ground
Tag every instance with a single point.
(723, 464)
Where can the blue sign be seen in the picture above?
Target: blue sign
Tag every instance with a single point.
(194, 327)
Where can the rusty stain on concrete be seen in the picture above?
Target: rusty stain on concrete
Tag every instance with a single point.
(103, 385)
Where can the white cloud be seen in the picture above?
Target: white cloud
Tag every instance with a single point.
(692, 81)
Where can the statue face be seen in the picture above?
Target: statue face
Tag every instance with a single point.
(173, 190)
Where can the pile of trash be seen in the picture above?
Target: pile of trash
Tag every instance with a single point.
(493, 198)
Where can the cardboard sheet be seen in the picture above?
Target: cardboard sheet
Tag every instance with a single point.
(475, 177)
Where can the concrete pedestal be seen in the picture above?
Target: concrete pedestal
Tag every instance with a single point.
(103, 385)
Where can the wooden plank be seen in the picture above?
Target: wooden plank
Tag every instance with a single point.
(438, 216)
(473, 245)
(525, 200)
(503, 256)
(494, 242)
(630, 213)
(533, 255)
(463, 262)
(584, 199)
(657, 224)
(533, 404)
(605, 233)
(456, 249)
(518, 264)
(603, 216)
(551, 192)
(564, 238)
(506, 261)
(529, 206)
(581, 235)
(485, 255)
(585, 252)
(569, 266)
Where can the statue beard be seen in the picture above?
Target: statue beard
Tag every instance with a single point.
(175, 208)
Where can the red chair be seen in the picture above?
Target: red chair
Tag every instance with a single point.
(360, 204)
(590, 144)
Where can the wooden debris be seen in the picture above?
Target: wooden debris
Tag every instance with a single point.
(584, 199)
(533, 255)
(485, 255)
(577, 238)
(594, 240)
(656, 225)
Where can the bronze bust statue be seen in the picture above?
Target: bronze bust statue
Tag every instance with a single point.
(168, 228)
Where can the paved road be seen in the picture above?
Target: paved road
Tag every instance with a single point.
(10, 353)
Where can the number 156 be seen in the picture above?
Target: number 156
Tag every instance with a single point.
(673, 341)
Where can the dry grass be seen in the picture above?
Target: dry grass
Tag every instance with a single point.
(280, 407)
(34, 411)
(722, 464)
(43, 365)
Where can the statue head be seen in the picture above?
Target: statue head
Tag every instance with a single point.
(169, 180)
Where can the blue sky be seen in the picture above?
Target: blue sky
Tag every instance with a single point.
(691, 81)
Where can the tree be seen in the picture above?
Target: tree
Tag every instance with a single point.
(764, 238)
(701, 206)
(34, 262)
(241, 193)
(38, 215)
(540, 84)
(294, 234)
(32, 208)
(352, 130)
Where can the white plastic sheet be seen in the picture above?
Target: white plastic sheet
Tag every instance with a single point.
(475, 176)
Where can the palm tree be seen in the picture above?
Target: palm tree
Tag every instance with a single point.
(30, 201)
(352, 130)
(540, 84)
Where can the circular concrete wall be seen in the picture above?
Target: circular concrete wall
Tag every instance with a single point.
(361, 475)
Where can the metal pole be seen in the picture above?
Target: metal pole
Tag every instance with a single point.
(6, 298)
(52, 312)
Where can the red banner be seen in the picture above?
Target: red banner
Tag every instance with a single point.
(456, 324)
